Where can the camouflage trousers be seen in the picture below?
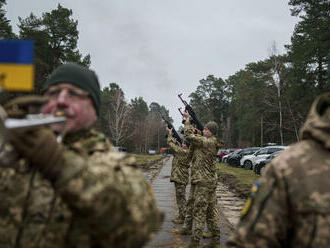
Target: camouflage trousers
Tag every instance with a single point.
(188, 220)
(205, 210)
(180, 194)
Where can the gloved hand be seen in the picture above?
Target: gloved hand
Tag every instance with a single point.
(19, 107)
(39, 146)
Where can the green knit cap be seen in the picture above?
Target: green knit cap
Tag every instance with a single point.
(212, 126)
(79, 76)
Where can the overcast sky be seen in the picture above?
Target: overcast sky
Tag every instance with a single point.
(157, 49)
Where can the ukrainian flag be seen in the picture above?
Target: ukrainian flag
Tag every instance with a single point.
(16, 65)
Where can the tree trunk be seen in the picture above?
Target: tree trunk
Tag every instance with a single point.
(280, 112)
(262, 130)
(293, 120)
(319, 73)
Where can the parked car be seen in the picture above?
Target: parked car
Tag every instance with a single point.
(224, 152)
(220, 154)
(249, 161)
(152, 152)
(270, 151)
(164, 151)
(259, 167)
(235, 157)
(120, 149)
(225, 158)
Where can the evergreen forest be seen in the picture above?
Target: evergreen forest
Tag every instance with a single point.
(265, 102)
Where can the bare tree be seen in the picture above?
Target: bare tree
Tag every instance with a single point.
(151, 131)
(278, 83)
(118, 119)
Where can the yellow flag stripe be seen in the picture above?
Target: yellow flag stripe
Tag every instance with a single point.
(16, 77)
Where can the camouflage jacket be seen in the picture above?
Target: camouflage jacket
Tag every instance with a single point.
(203, 167)
(180, 164)
(100, 200)
(290, 206)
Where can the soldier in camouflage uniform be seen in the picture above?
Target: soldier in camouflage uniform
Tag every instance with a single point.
(188, 220)
(290, 206)
(78, 193)
(179, 174)
(204, 178)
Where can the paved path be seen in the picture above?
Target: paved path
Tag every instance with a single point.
(165, 196)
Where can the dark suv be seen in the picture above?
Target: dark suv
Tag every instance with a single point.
(234, 159)
(261, 165)
(223, 152)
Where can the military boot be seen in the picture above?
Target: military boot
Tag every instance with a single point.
(183, 231)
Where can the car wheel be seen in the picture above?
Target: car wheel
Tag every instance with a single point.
(248, 165)
(257, 171)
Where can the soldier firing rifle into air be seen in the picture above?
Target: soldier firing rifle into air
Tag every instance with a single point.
(193, 117)
(170, 126)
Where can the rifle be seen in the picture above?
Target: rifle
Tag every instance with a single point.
(170, 126)
(182, 132)
(194, 119)
(180, 111)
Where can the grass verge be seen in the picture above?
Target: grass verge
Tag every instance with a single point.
(142, 160)
(237, 179)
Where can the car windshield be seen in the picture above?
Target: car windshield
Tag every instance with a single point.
(261, 151)
(273, 155)
(236, 152)
(248, 151)
(252, 151)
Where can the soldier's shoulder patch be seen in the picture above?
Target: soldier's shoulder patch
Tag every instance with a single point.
(248, 203)
(255, 187)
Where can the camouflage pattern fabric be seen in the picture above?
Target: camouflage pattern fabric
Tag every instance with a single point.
(205, 209)
(100, 199)
(204, 177)
(290, 206)
(180, 194)
(188, 221)
(203, 169)
(180, 163)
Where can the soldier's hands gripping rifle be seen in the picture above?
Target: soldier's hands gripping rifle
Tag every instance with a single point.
(22, 113)
(194, 120)
(170, 126)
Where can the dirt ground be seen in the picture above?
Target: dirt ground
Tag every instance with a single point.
(241, 190)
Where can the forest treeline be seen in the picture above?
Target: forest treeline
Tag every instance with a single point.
(265, 102)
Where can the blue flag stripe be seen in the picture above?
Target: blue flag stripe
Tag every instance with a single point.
(16, 51)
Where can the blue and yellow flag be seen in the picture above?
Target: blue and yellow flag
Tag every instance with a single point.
(16, 65)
